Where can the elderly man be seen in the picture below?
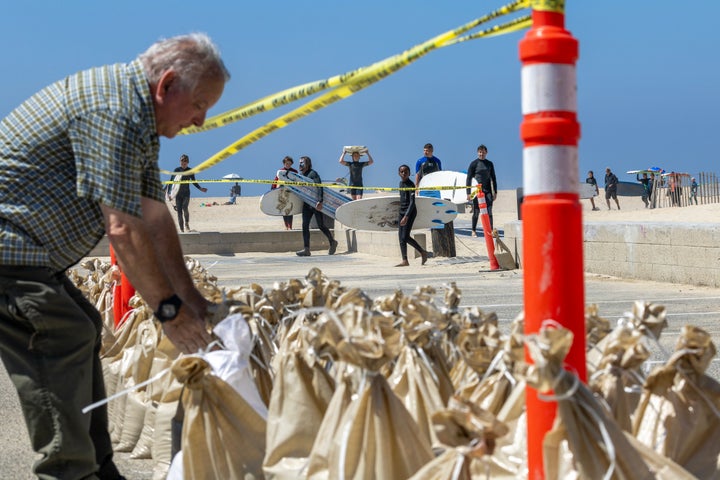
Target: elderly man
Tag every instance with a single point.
(87, 150)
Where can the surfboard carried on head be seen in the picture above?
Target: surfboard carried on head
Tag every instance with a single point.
(332, 199)
(361, 149)
(382, 213)
(446, 178)
(281, 201)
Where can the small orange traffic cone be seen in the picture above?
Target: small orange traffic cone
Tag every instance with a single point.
(487, 230)
(122, 293)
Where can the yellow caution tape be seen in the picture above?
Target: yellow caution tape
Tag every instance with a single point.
(313, 184)
(302, 91)
(349, 84)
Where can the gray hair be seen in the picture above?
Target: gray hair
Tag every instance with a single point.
(193, 57)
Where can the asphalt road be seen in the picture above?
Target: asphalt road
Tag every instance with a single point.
(501, 292)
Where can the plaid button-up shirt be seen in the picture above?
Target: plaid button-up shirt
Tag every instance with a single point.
(86, 140)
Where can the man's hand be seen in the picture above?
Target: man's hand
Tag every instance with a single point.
(187, 331)
(319, 206)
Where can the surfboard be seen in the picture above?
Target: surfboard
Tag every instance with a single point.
(281, 201)
(174, 188)
(446, 178)
(332, 199)
(587, 190)
(381, 213)
(630, 189)
(361, 149)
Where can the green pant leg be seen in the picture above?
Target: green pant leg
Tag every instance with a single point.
(48, 345)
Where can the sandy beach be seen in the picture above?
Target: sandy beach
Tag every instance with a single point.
(209, 214)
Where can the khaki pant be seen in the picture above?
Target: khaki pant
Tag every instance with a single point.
(49, 343)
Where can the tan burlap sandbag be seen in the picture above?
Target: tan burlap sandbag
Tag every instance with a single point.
(414, 382)
(469, 435)
(222, 435)
(161, 446)
(377, 437)
(164, 354)
(619, 377)
(317, 466)
(647, 318)
(138, 400)
(582, 427)
(300, 398)
(679, 413)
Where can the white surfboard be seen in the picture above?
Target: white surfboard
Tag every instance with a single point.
(382, 213)
(281, 201)
(447, 178)
(174, 188)
(332, 198)
(587, 190)
(361, 149)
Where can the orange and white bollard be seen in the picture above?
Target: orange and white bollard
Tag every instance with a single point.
(551, 210)
(487, 229)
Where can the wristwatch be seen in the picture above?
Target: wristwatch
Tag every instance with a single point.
(168, 309)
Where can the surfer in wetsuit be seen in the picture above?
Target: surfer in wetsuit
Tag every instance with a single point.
(182, 199)
(483, 171)
(309, 211)
(408, 212)
(356, 168)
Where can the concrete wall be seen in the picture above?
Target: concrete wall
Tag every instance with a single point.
(376, 243)
(663, 252)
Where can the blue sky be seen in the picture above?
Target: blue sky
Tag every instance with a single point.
(648, 79)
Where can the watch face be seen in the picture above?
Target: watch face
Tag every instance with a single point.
(169, 310)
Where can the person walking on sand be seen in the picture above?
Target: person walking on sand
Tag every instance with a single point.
(408, 212)
(182, 198)
(287, 166)
(592, 181)
(309, 212)
(611, 183)
(98, 131)
(693, 190)
(356, 168)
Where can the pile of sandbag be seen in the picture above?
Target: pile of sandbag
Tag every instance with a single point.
(314, 380)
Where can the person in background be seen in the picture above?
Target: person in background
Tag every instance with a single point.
(182, 198)
(428, 163)
(234, 193)
(408, 212)
(693, 190)
(652, 190)
(287, 166)
(647, 188)
(592, 181)
(611, 182)
(674, 189)
(98, 132)
(356, 168)
(481, 170)
(315, 211)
